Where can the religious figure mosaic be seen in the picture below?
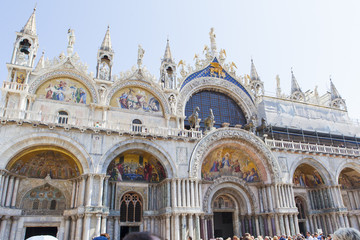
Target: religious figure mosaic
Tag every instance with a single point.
(39, 164)
(229, 161)
(136, 99)
(349, 179)
(137, 167)
(65, 90)
(307, 176)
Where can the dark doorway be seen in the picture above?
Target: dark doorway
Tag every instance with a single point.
(35, 231)
(302, 228)
(223, 224)
(124, 230)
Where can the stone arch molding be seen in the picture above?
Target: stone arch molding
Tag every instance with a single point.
(36, 83)
(18, 144)
(205, 83)
(142, 84)
(348, 163)
(212, 140)
(323, 170)
(140, 144)
(239, 189)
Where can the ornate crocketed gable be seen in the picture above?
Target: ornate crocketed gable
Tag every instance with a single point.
(207, 72)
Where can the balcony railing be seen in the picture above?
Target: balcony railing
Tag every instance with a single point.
(14, 86)
(53, 120)
(313, 148)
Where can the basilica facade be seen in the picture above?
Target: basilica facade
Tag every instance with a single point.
(200, 151)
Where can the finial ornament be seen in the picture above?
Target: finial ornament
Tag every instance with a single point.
(71, 41)
(141, 53)
(212, 41)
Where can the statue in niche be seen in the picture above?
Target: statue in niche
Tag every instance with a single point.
(172, 102)
(104, 71)
(194, 119)
(141, 53)
(102, 92)
(210, 121)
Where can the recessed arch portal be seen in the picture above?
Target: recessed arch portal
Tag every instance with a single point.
(307, 176)
(137, 166)
(43, 161)
(349, 178)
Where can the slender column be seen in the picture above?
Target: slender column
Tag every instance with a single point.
(187, 192)
(261, 200)
(292, 197)
(176, 227)
(105, 195)
(340, 196)
(279, 195)
(257, 226)
(167, 227)
(101, 184)
(173, 193)
(196, 193)
(15, 192)
(86, 229)
(183, 193)
(113, 195)
(297, 230)
(73, 227)
(289, 195)
(2, 178)
(292, 225)
(4, 187)
(9, 191)
(271, 208)
(282, 226)
(81, 191)
(3, 226)
(274, 197)
(98, 224)
(14, 226)
(192, 188)
(277, 225)
(269, 225)
(347, 224)
(328, 221)
(264, 199)
(183, 226)
(287, 227)
(200, 197)
(73, 191)
(116, 229)
(89, 184)
(179, 203)
(79, 227)
(191, 225)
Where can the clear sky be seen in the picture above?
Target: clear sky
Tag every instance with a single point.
(318, 38)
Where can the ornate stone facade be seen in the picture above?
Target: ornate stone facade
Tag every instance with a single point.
(85, 166)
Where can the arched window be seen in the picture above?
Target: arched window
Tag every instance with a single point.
(53, 205)
(130, 208)
(224, 108)
(301, 208)
(136, 125)
(62, 117)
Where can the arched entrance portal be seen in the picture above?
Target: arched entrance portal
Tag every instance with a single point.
(131, 206)
(224, 214)
(301, 206)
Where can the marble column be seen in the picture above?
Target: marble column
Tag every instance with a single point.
(73, 191)
(292, 225)
(167, 227)
(183, 227)
(103, 224)
(82, 191)
(269, 225)
(188, 191)
(4, 226)
(67, 228)
(297, 230)
(101, 190)
(173, 193)
(106, 189)
(73, 227)
(89, 187)
(9, 191)
(270, 203)
(179, 202)
(86, 228)
(192, 193)
(4, 188)
(196, 193)
(116, 229)
(14, 226)
(79, 227)
(282, 226)
(257, 228)
(98, 224)
(287, 227)
(191, 225)
(261, 199)
(277, 224)
(15, 192)
(176, 227)
(183, 193)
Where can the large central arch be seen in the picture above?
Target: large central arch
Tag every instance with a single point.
(267, 164)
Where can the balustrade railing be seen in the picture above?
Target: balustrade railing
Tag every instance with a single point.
(7, 114)
(14, 86)
(308, 147)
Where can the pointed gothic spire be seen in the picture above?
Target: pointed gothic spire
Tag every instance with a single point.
(253, 73)
(294, 84)
(106, 44)
(334, 92)
(167, 54)
(30, 26)
(41, 63)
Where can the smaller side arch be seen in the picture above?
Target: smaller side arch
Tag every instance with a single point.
(325, 174)
(143, 145)
(349, 163)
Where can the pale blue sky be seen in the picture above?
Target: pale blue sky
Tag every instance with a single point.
(317, 38)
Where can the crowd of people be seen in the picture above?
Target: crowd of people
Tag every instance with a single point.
(340, 234)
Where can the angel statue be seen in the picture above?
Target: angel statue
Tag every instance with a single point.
(182, 71)
(141, 52)
(232, 67)
(212, 40)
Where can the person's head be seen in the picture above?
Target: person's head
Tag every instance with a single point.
(105, 235)
(346, 234)
(189, 238)
(141, 236)
(275, 238)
